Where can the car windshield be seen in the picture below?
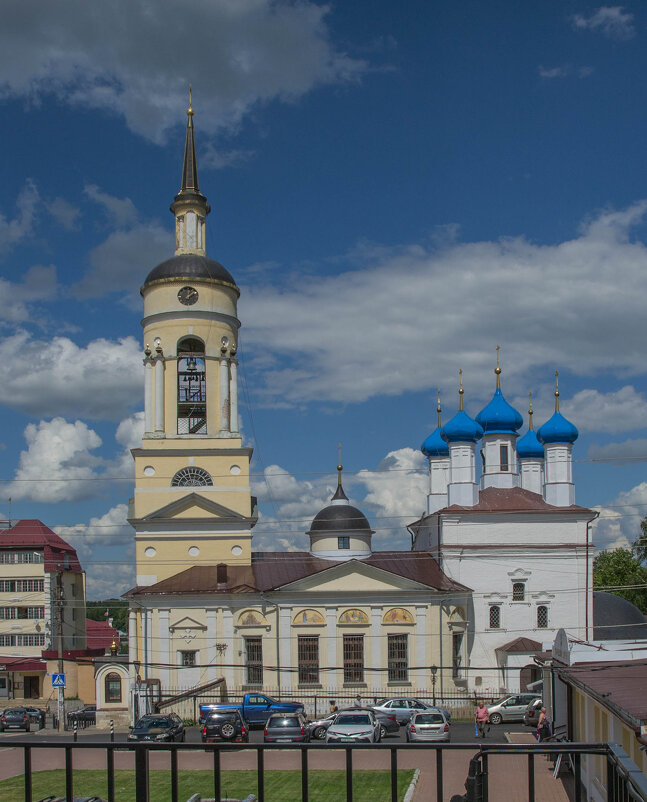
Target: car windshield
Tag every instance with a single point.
(285, 721)
(353, 718)
(428, 718)
(147, 723)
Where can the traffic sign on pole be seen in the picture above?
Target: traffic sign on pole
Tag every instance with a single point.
(58, 680)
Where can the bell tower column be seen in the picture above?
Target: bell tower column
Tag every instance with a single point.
(159, 390)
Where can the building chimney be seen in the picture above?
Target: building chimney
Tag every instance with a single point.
(221, 573)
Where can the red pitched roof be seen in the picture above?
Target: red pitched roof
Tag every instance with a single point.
(33, 534)
(619, 685)
(520, 645)
(513, 499)
(100, 634)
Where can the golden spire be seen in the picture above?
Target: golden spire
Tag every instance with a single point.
(556, 391)
(530, 410)
(340, 467)
(460, 391)
(497, 369)
(439, 409)
(189, 111)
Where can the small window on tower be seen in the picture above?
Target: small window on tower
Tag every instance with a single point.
(504, 458)
(191, 477)
(542, 616)
(343, 542)
(518, 591)
(495, 616)
(191, 387)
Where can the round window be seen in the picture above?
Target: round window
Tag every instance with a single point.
(234, 470)
(236, 551)
(194, 551)
(150, 551)
(149, 471)
(191, 477)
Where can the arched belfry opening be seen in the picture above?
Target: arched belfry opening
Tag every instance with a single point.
(191, 387)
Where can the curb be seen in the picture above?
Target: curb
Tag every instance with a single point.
(412, 786)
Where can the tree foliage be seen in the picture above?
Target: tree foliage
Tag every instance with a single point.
(117, 610)
(616, 570)
(640, 545)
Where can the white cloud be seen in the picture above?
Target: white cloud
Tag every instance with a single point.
(109, 535)
(39, 284)
(101, 380)
(129, 435)
(612, 21)
(553, 72)
(619, 521)
(15, 230)
(375, 329)
(66, 213)
(58, 464)
(120, 211)
(632, 450)
(137, 60)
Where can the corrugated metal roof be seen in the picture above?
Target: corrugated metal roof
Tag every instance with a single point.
(618, 684)
(513, 499)
(33, 534)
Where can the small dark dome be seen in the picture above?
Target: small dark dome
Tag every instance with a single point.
(190, 266)
(615, 618)
(340, 518)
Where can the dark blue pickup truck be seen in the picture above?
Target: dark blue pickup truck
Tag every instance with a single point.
(255, 709)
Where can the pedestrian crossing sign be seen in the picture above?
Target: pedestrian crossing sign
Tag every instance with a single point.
(58, 680)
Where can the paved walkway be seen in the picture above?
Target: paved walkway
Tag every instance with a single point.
(508, 775)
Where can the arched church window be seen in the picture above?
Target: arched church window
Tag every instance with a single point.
(191, 387)
(495, 616)
(542, 616)
(518, 591)
(113, 687)
(503, 451)
(191, 477)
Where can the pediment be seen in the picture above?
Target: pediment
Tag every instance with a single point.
(193, 506)
(186, 623)
(354, 576)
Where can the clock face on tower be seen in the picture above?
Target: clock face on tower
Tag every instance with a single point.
(187, 296)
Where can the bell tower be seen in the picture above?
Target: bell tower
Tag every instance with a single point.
(192, 503)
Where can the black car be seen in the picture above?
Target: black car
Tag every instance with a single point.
(14, 718)
(158, 727)
(225, 725)
(86, 715)
(388, 724)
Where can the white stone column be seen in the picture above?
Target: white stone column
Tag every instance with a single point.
(532, 474)
(148, 395)
(376, 679)
(212, 652)
(159, 393)
(164, 648)
(132, 641)
(559, 489)
(420, 676)
(285, 614)
(149, 642)
(462, 489)
(233, 396)
(224, 396)
(228, 638)
(332, 675)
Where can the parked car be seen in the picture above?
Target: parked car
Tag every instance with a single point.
(531, 716)
(352, 726)
(86, 715)
(388, 723)
(256, 708)
(510, 708)
(286, 728)
(225, 725)
(403, 708)
(14, 718)
(37, 715)
(428, 726)
(158, 727)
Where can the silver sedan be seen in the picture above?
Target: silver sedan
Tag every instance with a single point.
(351, 727)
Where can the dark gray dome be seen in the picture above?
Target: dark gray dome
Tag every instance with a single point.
(190, 266)
(340, 518)
(615, 618)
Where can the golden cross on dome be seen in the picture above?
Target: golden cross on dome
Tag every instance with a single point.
(497, 369)
(530, 410)
(460, 390)
(556, 391)
(340, 467)
(439, 409)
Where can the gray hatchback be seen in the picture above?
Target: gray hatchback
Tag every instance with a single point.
(286, 728)
(14, 718)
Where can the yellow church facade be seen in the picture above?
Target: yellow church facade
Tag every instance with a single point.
(205, 606)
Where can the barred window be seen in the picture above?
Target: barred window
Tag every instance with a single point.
(254, 665)
(503, 451)
(187, 658)
(29, 640)
(518, 591)
(495, 616)
(542, 616)
(398, 657)
(113, 686)
(343, 542)
(7, 640)
(191, 477)
(353, 658)
(308, 657)
(20, 557)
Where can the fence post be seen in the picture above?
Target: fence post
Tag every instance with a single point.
(112, 730)
(76, 729)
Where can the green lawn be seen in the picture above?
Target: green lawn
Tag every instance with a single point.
(280, 786)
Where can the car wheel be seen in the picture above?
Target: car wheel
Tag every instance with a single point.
(382, 731)
(496, 718)
(319, 733)
(228, 731)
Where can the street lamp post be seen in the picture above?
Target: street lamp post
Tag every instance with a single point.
(433, 670)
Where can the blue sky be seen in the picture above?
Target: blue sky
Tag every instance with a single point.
(396, 187)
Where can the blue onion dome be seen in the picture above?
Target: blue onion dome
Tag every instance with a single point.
(434, 445)
(529, 447)
(462, 429)
(557, 430)
(498, 416)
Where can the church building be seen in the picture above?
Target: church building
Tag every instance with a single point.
(340, 617)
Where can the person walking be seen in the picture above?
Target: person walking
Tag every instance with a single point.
(543, 725)
(482, 719)
(333, 706)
